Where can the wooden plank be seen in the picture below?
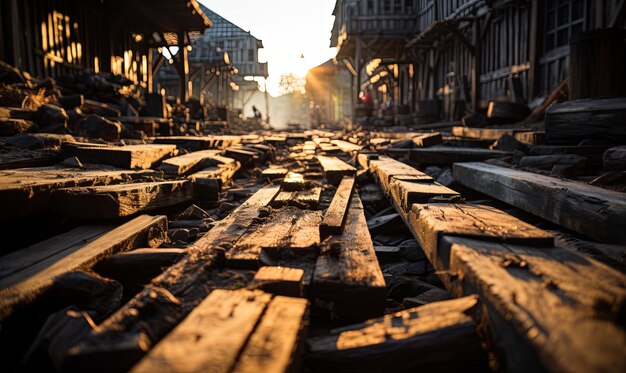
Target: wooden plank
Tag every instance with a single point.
(407, 192)
(217, 330)
(384, 168)
(277, 343)
(279, 281)
(572, 121)
(426, 338)
(543, 305)
(116, 201)
(288, 232)
(346, 147)
(447, 155)
(335, 217)
(430, 221)
(27, 191)
(596, 212)
(208, 182)
(27, 273)
(129, 156)
(151, 314)
(428, 139)
(484, 133)
(137, 267)
(293, 182)
(335, 169)
(187, 163)
(303, 199)
(275, 173)
(347, 276)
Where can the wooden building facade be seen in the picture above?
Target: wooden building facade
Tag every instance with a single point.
(463, 53)
(49, 38)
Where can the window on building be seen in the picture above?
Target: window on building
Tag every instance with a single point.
(563, 19)
(251, 55)
(397, 6)
(370, 6)
(387, 6)
(408, 6)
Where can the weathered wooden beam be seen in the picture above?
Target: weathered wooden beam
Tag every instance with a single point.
(407, 192)
(279, 281)
(543, 305)
(347, 275)
(116, 201)
(428, 139)
(304, 199)
(424, 338)
(151, 314)
(595, 212)
(335, 217)
(27, 273)
(335, 169)
(346, 147)
(384, 168)
(184, 164)
(129, 156)
(25, 192)
(138, 266)
(445, 156)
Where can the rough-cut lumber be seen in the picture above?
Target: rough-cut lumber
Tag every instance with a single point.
(275, 173)
(430, 221)
(184, 164)
(129, 156)
(279, 281)
(335, 217)
(9, 127)
(595, 212)
(549, 309)
(199, 142)
(304, 199)
(134, 328)
(137, 267)
(615, 158)
(427, 139)
(447, 155)
(347, 274)
(116, 201)
(26, 273)
(437, 337)
(210, 338)
(26, 191)
(240, 155)
(278, 341)
(593, 153)
(570, 122)
(406, 192)
(335, 169)
(483, 133)
(384, 168)
(208, 182)
(288, 232)
(346, 147)
(293, 181)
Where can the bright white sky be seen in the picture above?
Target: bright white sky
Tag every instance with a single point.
(288, 28)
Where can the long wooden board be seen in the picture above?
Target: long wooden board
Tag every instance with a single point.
(28, 272)
(384, 168)
(116, 201)
(426, 338)
(25, 192)
(335, 169)
(544, 305)
(347, 274)
(407, 192)
(445, 156)
(335, 217)
(151, 314)
(129, 156)
(595, 212)
(184, 164)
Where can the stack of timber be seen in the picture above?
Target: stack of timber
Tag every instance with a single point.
(480, 250)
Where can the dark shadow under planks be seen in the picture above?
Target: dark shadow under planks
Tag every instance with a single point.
(445, 156)
(593, 211)
(117, 201)
(437, 337)
(29, 272)
(335, 217)
(347, 275)
(129, 156)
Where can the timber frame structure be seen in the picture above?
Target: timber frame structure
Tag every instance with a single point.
(454, 56)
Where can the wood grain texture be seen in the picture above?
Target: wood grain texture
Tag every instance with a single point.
(427, 139)
(335, 169)
(184, 164)
(384, 168)
(431, 221)
(437, 337)
(210, 338)
(116, 201)
(347, 274)
(277, 343)
(280, 281)
(129, 156)
(25, 192)
(335, 217)
(550, 309)
(28, 272)
(406, 193)
(592, 211)
(303, 199)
